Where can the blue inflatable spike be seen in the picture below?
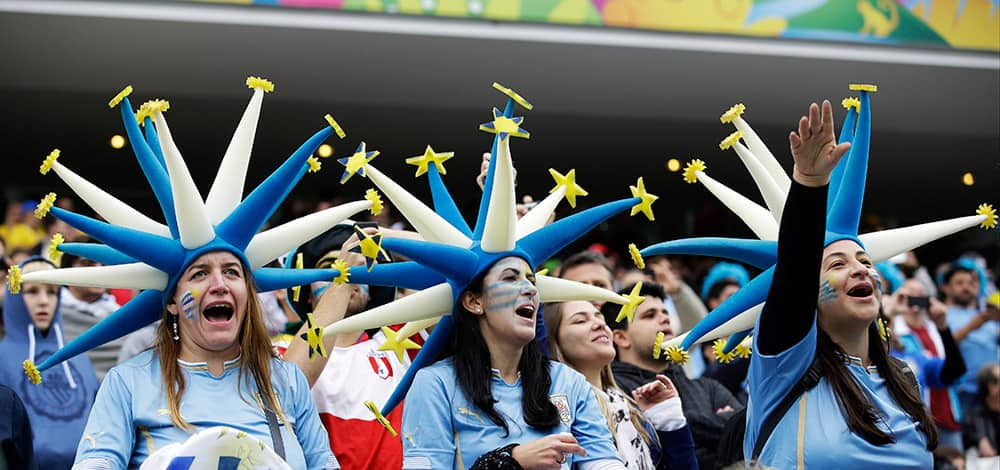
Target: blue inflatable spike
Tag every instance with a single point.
(735, 339)
(142, 310)
(846, 135)
(153, 140)
(547, 241)
(429, 352)
(98, 252)
(408, 275)
(159, 252)
(484, 202)
(845, 213)
(454, 263)
(749, 295)
(757, 253)
(247, 218)
(153, 168)
(444, 205)
(270, 279)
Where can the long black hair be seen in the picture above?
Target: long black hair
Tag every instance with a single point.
(861, 414)
(474, 374)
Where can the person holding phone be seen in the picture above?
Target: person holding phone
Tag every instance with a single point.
(924, 339)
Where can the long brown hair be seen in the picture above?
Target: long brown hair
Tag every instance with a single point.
(255, 357)
(861, 414)
(553, 314)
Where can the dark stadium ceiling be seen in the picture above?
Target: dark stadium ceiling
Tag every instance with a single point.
(614, 104)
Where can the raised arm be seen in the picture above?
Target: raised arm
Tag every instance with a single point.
(790, 310)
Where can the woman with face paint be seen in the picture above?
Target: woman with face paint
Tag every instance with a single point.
(212, 365)
(863, 412)
(649, 428)
(57, 408)
(496, 401)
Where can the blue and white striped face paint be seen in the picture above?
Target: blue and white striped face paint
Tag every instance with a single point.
(827, 291)
(509, 302)
(189, 303)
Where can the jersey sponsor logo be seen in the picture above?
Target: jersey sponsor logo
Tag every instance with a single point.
(380, 365)
(562, 404)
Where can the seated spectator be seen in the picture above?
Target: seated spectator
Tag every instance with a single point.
(976, 330)
(82, 308)
(981, 424)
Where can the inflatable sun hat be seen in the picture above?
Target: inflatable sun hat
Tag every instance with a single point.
(146, 254)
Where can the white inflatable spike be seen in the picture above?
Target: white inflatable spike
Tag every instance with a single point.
(125, 276)
(774, 197)
(428, 303)
(554, 289)
(764, 155)
(414, 327)
(537, 217)
(885, 244)
(501, 214)
(107, 206)
(192, 221)
(759, 219)
(227, 190)
(428, 223)
(277, 241)
(742, 322)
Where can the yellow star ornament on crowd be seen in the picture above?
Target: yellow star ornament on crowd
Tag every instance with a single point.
(356, 163)
(646, 206)
(430, 156)
(569, 181)
(634, 299)
(504, 126)
(396, 344)
(370, 247)
(313, 336)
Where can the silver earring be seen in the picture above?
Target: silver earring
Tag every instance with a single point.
(176, 335)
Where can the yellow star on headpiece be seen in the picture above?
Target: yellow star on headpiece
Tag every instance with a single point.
(430, 156)
(356, 163)
(313, 336)
(396, 345)
(633, 299)
(504, 126)
(569, 181)
(513, 95)
(370, 247)
(646, 205)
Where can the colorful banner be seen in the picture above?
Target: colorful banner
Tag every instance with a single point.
(957, 24)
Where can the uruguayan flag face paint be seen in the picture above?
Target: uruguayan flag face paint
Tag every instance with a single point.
(189, 303)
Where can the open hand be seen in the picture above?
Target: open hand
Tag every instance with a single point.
(648, 395)
(814, 147)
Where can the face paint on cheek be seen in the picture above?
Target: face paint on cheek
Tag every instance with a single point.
(827, 292)
(878, 279)
(189, 303)
(503, 295)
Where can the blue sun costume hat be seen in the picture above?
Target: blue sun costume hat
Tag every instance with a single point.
(453, 254)
(723, 271)
(738, 314)
(140, 253)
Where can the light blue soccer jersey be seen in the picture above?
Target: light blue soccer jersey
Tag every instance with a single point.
(131, 419)
(979, 348)
(826, 441)
(438, 418)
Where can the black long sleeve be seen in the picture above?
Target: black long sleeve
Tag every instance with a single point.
(954, 364)
(790, 310)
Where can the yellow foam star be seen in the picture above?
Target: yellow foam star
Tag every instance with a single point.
(152, 107)
(730, 140)
(45, 205)
(862, 87)
(691, 168)
(32, 372)
(677, 355)
(120, 96)
(636, 256)
(49, 161)
(882, 331)
(632, 301)
(733, 113)
(990, 213)
(658, 345)
(851, 102)
(54, 254)
(370, 247)
(430, 156)
(718, 348)
(381, 419)
(14, 279)
(297, 290)
(314, 336)
(345, 273)
(743, 350)
(514, 96)
(396, 344)
(376, 200)
(569, 181)
(336, 126)
(262, 83)
(504, 125)
(314, 164)
(645, 204)
(357, 162)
